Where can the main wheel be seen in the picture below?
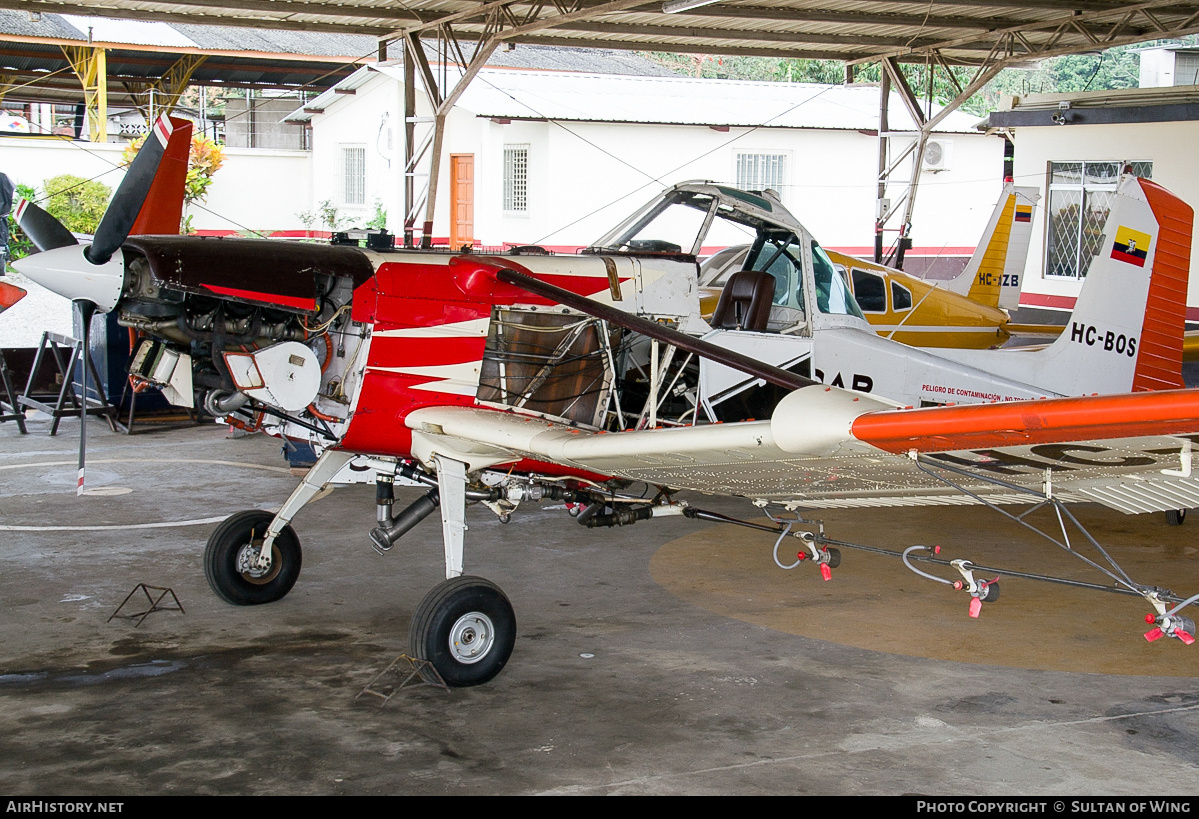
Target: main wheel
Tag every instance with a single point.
(232, 547)
(466, 628)
(1175, 517)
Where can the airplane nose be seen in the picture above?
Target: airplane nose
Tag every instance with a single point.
(65, 271)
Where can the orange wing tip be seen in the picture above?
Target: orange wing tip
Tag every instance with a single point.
(10, 294)
(1018, 423)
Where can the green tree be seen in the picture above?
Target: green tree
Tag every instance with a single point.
(1115, 68)
(76, 202)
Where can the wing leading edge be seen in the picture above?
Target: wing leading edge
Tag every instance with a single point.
(831, 448)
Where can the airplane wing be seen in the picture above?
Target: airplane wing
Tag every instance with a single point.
(831, 448)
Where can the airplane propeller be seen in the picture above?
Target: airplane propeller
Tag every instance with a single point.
(46, 232)
(127, 202)
(89, 280)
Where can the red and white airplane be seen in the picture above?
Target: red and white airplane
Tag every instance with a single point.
(505, 380)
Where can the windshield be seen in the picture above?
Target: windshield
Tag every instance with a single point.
(683, 222)
(832, 290)
(780, 255)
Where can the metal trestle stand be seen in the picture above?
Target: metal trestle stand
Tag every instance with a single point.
(69, 403)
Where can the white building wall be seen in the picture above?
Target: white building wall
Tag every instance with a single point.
(32, 161)
(253, 190)
(1169, 145)
(585, 177)
(594, 174)
(373, 117)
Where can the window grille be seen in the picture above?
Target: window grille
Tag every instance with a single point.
(516, 178)
(1080, 197)
(353, 163)
(757, 172)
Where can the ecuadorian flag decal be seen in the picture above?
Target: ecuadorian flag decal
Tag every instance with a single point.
(1131, 246)
(1023, 213)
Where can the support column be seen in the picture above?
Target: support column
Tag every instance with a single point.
(409, 148)
(7, 81)
(443, 103)
(886, 207)
(90, 65)
(881, 205)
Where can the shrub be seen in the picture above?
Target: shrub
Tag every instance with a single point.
(76, 202)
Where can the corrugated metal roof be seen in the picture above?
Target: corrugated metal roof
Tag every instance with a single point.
(674, 100)
(957, 31)
(133, 32)
(239, 57)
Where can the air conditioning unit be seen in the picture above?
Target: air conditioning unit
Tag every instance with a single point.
(938, 155)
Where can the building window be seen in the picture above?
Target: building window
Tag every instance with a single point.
(1080, 197)
(353, 174)
(516, 178)
(757, 172)
(1186, 68)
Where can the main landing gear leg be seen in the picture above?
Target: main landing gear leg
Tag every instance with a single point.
(465, 626)
(254, 557)
(451, 485)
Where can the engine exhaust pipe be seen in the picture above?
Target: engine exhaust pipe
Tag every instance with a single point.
(391, 529)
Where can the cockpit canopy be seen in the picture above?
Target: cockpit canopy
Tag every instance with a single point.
(745, 231)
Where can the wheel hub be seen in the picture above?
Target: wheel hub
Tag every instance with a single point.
(249, 563)
(471, 637)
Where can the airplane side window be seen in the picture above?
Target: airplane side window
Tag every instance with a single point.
(870, 292)
(901, 297)
(832, 289)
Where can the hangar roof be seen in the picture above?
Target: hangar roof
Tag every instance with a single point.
(956, 31)
(30, 54)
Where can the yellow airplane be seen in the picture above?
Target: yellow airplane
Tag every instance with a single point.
(966, 312)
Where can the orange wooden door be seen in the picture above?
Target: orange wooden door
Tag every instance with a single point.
(462, 200)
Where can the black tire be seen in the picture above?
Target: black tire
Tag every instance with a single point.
(1175, 517)
(242, 530)
(462, 608)
(992, 592)
(834, 557)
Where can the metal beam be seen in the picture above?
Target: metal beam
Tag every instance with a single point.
(885, 208)
(90, 66)
(162, 95)
(487, 9)
(1103, 26)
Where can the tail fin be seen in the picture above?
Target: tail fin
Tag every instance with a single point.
(993, 275)
(162, 211)
(1110, 344)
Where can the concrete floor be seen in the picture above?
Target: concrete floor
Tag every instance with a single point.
(666, 658)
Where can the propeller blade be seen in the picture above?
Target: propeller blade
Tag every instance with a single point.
(131, 195)
(86, 311)
(46, 232)
(163, 208)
